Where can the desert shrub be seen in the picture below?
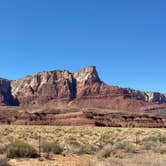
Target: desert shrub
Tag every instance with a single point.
(88, 149)
(128, 147)
(4, 162)
(105, 151)
(157, 138)
(150, 145)
(2, 149)
(112, 150)
(20, 149)
(74, 148)
(53, 147)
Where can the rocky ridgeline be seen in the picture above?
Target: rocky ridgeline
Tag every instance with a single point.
(63, 85)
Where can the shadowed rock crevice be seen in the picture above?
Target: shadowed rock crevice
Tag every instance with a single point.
(6, 97)
(73, 89)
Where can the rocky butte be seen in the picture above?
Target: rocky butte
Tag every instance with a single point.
(94, 102)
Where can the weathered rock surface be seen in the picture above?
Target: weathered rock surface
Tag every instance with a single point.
(84, 90)
(126, 119)
(92, 117)
(43, 87)
(63, 85)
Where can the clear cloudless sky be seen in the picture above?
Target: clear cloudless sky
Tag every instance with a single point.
(124, 39)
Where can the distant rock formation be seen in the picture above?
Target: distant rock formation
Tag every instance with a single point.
(81, 98)
(44, 87)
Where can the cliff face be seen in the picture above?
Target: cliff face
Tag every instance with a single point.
(5, 93)
(87, 82)
(83, 99)
(156, 97)
(63, 85)
(43, 87)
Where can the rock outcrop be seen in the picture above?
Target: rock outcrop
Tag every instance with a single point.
(79, 98)
(43, 87)
(6, 97)
(124, 119)
(58, 85)
(156, 97)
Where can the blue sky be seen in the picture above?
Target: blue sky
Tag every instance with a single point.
(126, 40)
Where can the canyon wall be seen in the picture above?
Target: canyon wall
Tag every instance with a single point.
(44, 87)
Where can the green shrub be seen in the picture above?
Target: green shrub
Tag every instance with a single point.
(128, 147)
(158, 138)
(21, 149)
(89, 149)
(53, 147)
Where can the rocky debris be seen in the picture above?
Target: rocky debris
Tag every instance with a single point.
(125, 119)
(57, 117)
(90, 117)
(158, 109)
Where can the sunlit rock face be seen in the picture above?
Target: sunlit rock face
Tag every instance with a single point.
(64, 85)
(156, 97)
(87, 82)
(44, 86)
(87, 75)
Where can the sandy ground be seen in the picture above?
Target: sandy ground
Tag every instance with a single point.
(58, 160)
(148, 159)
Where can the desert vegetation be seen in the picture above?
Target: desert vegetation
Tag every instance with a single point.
(90, 146)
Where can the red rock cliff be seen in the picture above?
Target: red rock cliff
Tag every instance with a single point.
(63, 85)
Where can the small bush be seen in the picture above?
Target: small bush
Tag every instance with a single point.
(53, 147)
(4, 162)
(150, 145)
(74, 148)
(89, 149)
(105, 151)
(2, 149)
(157, 138)
(21, 149)
(128, 147)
